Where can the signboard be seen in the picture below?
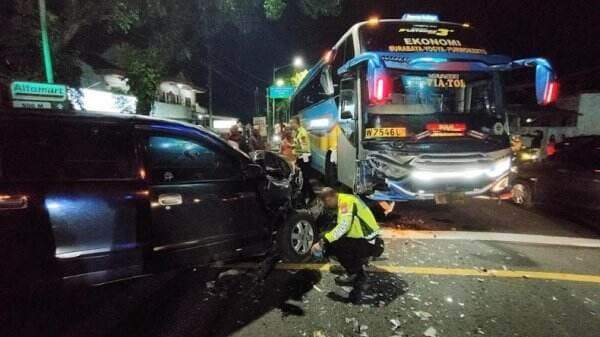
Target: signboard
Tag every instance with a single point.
(39, 92)
(39, 105)
(281, 92)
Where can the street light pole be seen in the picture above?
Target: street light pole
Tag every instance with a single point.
(46, 53)
(297, 62)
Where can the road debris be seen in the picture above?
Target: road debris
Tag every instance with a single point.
(230, 272)
(430, 332)
(423, 315)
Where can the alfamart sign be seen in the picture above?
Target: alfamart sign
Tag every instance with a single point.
(32, 95)
(31, 91)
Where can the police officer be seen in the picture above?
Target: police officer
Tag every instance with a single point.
(352, 240)
(302, 153)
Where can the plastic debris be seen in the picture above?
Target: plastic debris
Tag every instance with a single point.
(354, 322)
(210, 284)
(430, 332)
(479, 331)
(318, 333)
(230, 272)
(363, 327)
(317, 288)
(395, 323)
(423, 315)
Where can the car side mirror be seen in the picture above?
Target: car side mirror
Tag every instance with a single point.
(253, 171)
(346, 115)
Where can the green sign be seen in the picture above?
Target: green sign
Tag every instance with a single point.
(44, 92)
(281, 92)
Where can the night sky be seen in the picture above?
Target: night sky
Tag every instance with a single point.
(566, 32)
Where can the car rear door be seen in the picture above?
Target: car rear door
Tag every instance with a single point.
(200, 201)
(79, 176)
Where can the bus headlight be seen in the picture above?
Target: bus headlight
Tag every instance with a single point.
(500, 167)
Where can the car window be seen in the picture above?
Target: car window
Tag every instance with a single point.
(96, 152)
(173, 160)
(28, 151)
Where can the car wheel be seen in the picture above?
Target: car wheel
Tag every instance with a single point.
(522, 195)
(296, 236)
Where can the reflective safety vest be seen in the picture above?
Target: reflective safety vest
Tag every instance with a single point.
(301, 141)
(354, 220)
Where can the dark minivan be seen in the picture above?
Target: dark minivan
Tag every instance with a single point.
(96, 198)
(568, 180)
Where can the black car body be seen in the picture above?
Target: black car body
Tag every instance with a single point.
(569, 179)
(97, 198)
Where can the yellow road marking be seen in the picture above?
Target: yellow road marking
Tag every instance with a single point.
(441, 271)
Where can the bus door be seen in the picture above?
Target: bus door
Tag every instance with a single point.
(348, 136)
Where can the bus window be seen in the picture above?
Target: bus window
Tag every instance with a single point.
(310, 94)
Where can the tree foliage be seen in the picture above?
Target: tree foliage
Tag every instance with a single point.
(80, 28)
(143, 72)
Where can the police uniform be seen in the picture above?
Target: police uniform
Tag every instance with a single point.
(354, 237)
(302, 152)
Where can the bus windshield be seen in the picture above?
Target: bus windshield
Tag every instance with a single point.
(403, 37)
(416, 98)
(424, 92)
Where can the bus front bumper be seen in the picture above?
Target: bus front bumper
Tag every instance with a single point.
(402, 190)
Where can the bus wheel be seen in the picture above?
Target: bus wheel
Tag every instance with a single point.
(331, 178)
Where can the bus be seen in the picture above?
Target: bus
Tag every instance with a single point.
(412, 109)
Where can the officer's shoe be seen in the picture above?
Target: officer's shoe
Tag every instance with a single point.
(346, 280)
(357, 295)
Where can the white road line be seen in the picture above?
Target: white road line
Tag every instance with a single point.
(389, 233)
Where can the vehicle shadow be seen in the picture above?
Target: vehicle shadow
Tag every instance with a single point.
(193, 306)
(382, 288)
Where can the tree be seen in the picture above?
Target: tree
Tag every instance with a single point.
(79, 28)
(297, 77)
(143, 77)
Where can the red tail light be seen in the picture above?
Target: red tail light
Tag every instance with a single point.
(9, 202)
(382, 90)
(551, 93)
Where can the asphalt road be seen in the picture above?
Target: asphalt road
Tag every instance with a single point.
(446, 272)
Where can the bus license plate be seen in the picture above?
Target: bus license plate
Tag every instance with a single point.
(385, 132)
(449, 198)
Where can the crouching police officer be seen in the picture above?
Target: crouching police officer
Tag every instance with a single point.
(352, 240)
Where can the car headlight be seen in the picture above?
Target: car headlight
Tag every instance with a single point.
(500, 167)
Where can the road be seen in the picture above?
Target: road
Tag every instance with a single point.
(450, 271)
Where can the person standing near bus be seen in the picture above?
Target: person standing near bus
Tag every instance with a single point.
(302, 152)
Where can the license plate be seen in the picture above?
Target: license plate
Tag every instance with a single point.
(449, 198)
(385, 132)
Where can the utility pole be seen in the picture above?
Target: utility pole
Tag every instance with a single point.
(46, 53)
(256, 106)
(210, 92)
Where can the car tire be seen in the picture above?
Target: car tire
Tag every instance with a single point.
(296, 236)
(522, 194)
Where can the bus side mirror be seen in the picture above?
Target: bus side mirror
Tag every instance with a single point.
(546, 85)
